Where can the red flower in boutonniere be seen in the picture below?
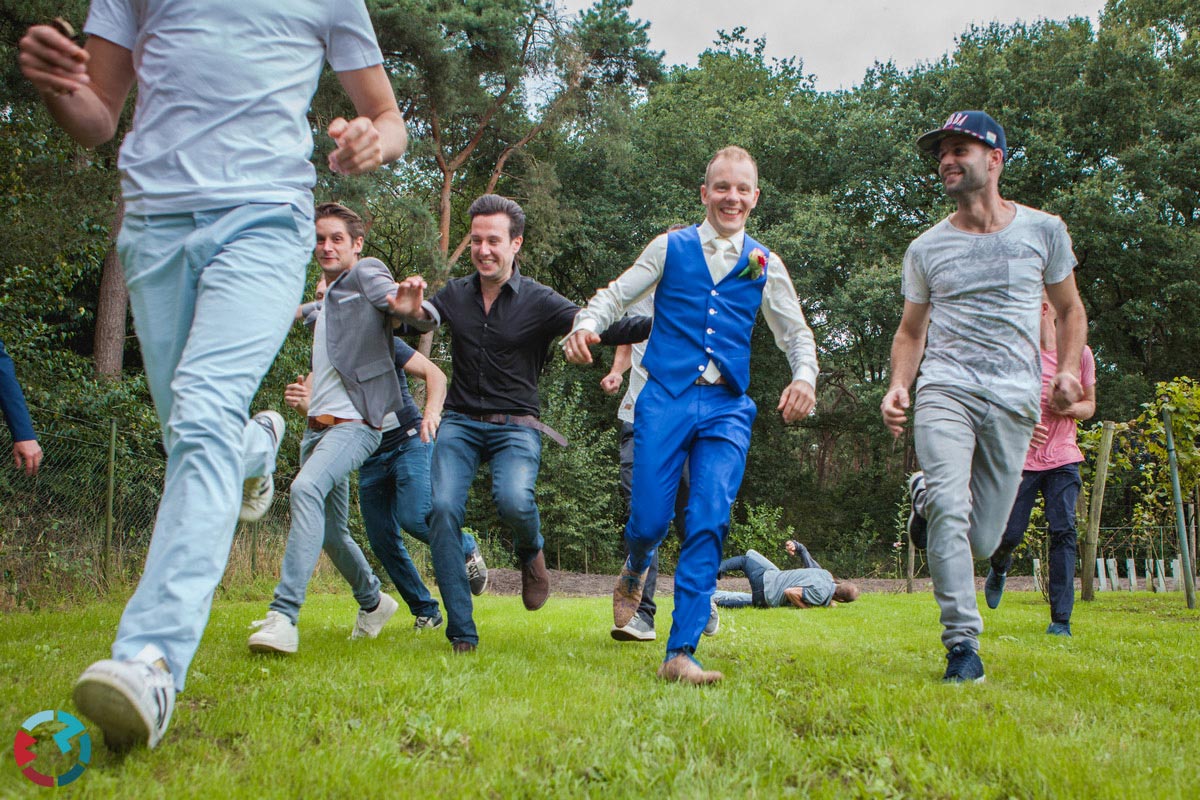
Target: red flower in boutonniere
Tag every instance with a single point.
(755, 264)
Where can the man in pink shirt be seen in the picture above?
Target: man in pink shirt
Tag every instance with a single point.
(1052, 467)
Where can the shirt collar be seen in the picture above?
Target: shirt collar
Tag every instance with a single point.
(708, 233)
(513, 282)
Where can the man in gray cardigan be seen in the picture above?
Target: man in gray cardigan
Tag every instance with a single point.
(354, 387)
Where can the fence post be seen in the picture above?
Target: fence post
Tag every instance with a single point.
(108, 511)
(912, 565)
(1093, 521)
(1189, 584)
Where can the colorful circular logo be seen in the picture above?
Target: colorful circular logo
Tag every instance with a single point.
(25, 739)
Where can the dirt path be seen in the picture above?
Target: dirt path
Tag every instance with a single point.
(577, 584)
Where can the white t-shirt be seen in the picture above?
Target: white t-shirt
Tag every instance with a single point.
(985, 296)
(224, 88)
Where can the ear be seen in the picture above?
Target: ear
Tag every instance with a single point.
(517, 242)
(704, 193)
(358, 246)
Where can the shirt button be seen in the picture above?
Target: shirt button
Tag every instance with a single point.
(710, 331)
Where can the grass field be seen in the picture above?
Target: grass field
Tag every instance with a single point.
(843, 702)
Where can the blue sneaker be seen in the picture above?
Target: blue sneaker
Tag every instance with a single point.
(963, 665)
(917, 526)
(1059, 629)
(993, 587)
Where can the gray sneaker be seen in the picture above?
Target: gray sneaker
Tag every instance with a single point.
(477, 572)
(638, 629)
(918, 527)
(714, 620)
(427, 622)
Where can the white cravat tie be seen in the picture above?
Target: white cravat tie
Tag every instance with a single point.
(718, 267)
(718, 262)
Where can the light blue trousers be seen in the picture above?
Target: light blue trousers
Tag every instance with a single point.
(320, 497)
(213, 294)
(972, 451)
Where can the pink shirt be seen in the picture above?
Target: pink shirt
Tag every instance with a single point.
(1060, 448)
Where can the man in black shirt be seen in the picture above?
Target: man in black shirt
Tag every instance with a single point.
(503, 324)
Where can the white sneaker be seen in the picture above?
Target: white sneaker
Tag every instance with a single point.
(131, 701)
(370, 623)
(275, 634)
(257, 493)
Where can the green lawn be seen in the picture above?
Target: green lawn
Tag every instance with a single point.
(823, 703)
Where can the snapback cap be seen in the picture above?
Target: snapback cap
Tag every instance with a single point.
(978, 124)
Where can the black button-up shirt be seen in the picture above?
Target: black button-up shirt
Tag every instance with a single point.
(499, 356)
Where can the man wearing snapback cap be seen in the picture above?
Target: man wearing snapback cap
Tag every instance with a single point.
(972, 289)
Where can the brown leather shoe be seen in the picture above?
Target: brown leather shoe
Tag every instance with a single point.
(462, 648)
(686, 670)
(627, 595)
(535, 582)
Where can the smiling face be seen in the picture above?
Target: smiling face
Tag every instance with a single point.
(965, 164)
(493, 248)
(336, 251)
(729, 194)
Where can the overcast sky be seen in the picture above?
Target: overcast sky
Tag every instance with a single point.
(837, 39)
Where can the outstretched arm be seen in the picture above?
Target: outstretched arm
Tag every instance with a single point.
(908, 346)
(377, 135)
(1066, 389)
(435, 393)
(84, 88)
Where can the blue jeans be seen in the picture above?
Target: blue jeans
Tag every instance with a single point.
(394, 495)
(515, 453)
(972, 451)
(726, 599)
(753, 565)
(1060, 489)
(320, 497)
(213, 294)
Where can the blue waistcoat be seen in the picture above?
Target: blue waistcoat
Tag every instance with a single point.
(695, 320)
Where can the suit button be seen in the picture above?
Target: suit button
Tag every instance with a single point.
(708, 349)
(715, 293)
(710, 331)
(712, 311)
(701, 368)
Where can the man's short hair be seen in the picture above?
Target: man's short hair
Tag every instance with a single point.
(733, 153)
(845, 593)
(490, 204)
(354, 223)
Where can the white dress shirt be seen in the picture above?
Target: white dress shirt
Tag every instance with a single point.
(780, 307)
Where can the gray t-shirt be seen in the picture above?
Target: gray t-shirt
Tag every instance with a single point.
(985, 295)
(817, 584)
(224, 88)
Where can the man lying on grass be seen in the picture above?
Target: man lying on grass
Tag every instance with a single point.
(771, 587)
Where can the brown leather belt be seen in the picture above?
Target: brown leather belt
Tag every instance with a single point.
(326, 421)
(523, 421)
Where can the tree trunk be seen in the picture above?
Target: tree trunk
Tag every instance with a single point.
(109, 344)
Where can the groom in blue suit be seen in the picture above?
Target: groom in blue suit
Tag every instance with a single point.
(709, 282)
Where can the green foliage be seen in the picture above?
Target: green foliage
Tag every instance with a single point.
(1139, 461)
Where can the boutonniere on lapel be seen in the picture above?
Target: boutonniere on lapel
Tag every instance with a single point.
(755, 264)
